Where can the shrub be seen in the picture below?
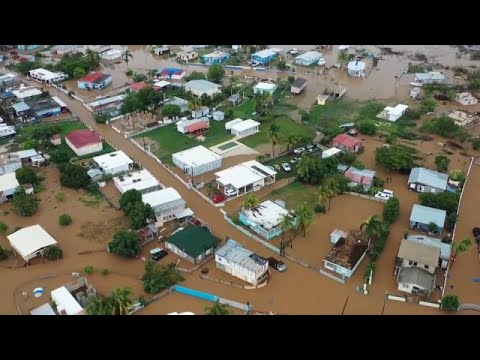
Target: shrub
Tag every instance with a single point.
(3, 253)
(60, 156)
(129, 72)
(457, 175)
(319, 208)
(450, 303)
(236, 220)
(26, 175)
(128, 199)
(160, 277)
(53, 252)
(3, 228)
(65, 220)
(102, 118)
(139, 77)
(105, 272)
(391, 211)
(60, 196)
(125, 243)
(476, 143)
(89, 269)
(23, 204)
(442, 163)
(391, 139)
(74, 176)
(367, 127)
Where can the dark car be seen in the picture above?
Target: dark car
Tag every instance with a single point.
(158, 254)
(277, 264)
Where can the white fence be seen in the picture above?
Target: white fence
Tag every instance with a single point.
(429, 304)
(397, 298)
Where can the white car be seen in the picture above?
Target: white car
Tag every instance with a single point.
(230, 192)
(384, 195)
(322, 62)
(286, 167)
(299, 150)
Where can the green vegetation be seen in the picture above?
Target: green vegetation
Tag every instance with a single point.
(446, 127)
(250, 201)
(77, 64)
(296, 193)
(74, 176)
(458, 175)
(461, 247)
(102, 118)
(119, 302)
(367, 127)
(391, 211)
(140, 215)
(450, 303)
(160, 277)
(372, 266)
(306, 215)
(171, 111)
(319, 208)
(3, 254)
(89, 270)
(25, 67)
(27, 175)
(23, 204)
(218, 309)
(126, 56)
(145, 99)
(3, 228)
(216, 73)
(312, 170)
(476, 143)
(442, 163)
(105, 272)
(195, 75)
(65, 220)
(124, 243)
(128, 199)
(396, 157)
(79, 73)
(139, 77)
(53, 252)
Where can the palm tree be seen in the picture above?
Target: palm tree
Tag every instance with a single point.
(306, 215)
(127, 55)
(291, 141)
(343, 57)
(306, 168)
(461, 247)
(287, 225)
(323, 195)
(218, 309)
(194, 104)
(100, 306)
(259, 103)
(250, 201)
(371, 227)
(121, 301)
(93, 58)
(273, 136)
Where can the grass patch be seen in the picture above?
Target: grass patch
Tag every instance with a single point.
(91, 200)
(333, 113)
(65, 128)
(297, 193)
(287, 127)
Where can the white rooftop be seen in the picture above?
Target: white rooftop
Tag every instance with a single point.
(268, 214)
(8, 181)
(397, 110)
(107, 100)
(196, 156)
(23, 154)
(112, 160)
(161, 84)
(159, 197)
(244, 258)
(25, 92)
(138, 180)
(356, 65)
(229, 124)
(44, 309)
(66, 302)
(30, 239)
(265, 53)
(44, 74)
(245, 125)
(111, 52)
(265, 86)
(216, 54)
(330, 152)
(244, 174)
(59, 101)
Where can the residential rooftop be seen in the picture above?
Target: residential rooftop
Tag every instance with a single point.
(83, 137)
(138, 180)
(347, 252)
(244, 174)
(445, 249)
(417, 276)
(196, 156)
(420, 253)
(94, 78)
(426, 215)
(268, 214)
(193, 240)
(428, 177)
(244, 258)
(163, 199)
(112, 160)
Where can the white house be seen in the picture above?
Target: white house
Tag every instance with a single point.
(65, 302)
(466, 98)
(111, 54)
(47, 76)
(167, 204)
(30, 242)
(309, 58)
(218, 115)
(187, 55)
(84, 142)
(430, 77)
(356, 68)
(200, 87)
(393, 113)
(229, 124)
(331, 152)
(197, 160)
(193, 125)
(245, 128)
(113, 163)
(265, 88)
(8, 184)
(298, 85)
(242, 263)
(26, 92)
(141, 181)
(245, 177)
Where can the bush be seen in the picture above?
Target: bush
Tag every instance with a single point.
(442, 163)
(3, 228)
(139, 77)
(26, 175)
(60, 156)
(23, 204)
(367, 127)
(391, 211)
(129, 72)
(378, 182)
(458, 175)
(89, 269)
(319, 208)
(396, 157)
(105, 272)
(65, 220)
(125, 243)
(128, 200)
(391, 139)
(79, 73)
(53, 252)
(102, 118)
(428, 105)
(445, 201)
(347, 158)
(160, 277)
(74, 176)
(60, 196)
(476, 143)
(195, 75)
(450, 303)
(3, 253)
(236, 220)
(370, 268)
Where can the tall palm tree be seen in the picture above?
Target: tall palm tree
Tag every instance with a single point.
(287, 225)
(291, 141)
(93, 58)
(306, 215)
(306, 168)
(121, 301)
(323, 195)
(371, 227)
(274, 136)
(259, 103)
(127, 55)
(218, 309)
(194, 104)
(250, 201)
(100, 306)
(461, 247)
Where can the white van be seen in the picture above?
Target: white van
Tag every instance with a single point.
(389, 193)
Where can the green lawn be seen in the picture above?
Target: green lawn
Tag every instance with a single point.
(296, 193)
(170, 141)
(287, 127)
(65, 127)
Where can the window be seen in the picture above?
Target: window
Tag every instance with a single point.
(426, 266)
(405, 286)
(410, 263)
(415, 264)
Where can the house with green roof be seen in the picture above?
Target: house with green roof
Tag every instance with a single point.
(193, 243)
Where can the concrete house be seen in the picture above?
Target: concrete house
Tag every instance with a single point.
(415, 267)
(197, 160)
(426, 180)
(466, 98)
(9, 163)
(26, 92)
(218, 115)
(265, 219)
(94, 81)
(142, 181)
(245, 128)
(8, 185)
(192, 126)
(264, 57)
(432, 77)
(245, 177)
(347, 143)
(265, 88)
(43, 107)
(187, 55)
(66, 303)
(346, 255)
(193, 243)
(84, 142)
(30, 242)
(462, 118)
(161, 50)
(298, 85)
(200, 87)
(203, 111)
(356, 68)
(393, 113)
(362, 177)
(421, 217)
(242, 263)
(167, 205)
(113, 163)
(309, 58)
(216, 57)
(46, 76)
(445, 249)
(108, 106)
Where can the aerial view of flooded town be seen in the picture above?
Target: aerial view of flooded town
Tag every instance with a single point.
(239, 179)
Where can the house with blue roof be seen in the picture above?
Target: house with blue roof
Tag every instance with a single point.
(422, 216)
(216, 57)
(309, 58)
(426, 180)
(264, 57)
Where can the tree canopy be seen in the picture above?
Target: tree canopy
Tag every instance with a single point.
(141, 100)
(396, 157)
(171, 111)
(129, 198)
(450, 303)
(442, 163)
(160, 277)
(391, 211)
(312, 170)
(216, 73)
(73, 176)
(27, 175)
(125, 243)
(367, 127)
(218, 308)
(23, 204)
(140, 214)
(195, 75)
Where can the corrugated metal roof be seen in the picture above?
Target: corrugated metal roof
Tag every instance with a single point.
(426, 215)
(428, 177)
(416, 276)
(418, 252)
(445, 249)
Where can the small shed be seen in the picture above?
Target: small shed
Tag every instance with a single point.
(356, 68)
(322, 99)
(30, 242)
(56, 139)
(298, 85)
(218, 115)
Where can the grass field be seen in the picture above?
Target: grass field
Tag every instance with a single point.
(65, 128)
(296, 193)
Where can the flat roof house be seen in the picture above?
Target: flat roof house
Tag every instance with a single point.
(265, 219)
(298, 85)
(245, 177)
(183, 104)
(30, 242)
(466, 98)
(229, 124)
(264, 57)
(200, 87)
(84, 142)
(330, 152)
(426, 180)
(356, 68)
(9, 163)
(43, 107)
(422, 216)
(111, 54)
(393, 113)
(167, 204)
(95, 81)
(113, 163)
(309, 58)
(347, 143)
(197, 160)
(26, 92)
(445, 249)
(430, 77)
(346, 255)
(265, 88)
(161, 50)
(192, 126)
(187, 55)
(245, 128)
(8, 185)
(46, 76)
(193, 243)
(242, 263)
(141, 181)
(216, 57)
(362, 177)
(65, 302)
(111, 105)
(462, 118)
(218, 115)
(415, 266)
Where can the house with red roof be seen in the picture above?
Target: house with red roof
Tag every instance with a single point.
(192, 126)
(136, 87)
(94, 80)
(347, 143)
(362, 177)
(84, 142)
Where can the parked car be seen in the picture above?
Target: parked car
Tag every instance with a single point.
(254, 63)
(218, 198)
(286, 167)
(230, 192)
(158, 254)
(294, 160)
(277, 264)
(308, 147)
(299, 150)
(384, 195)
(388, 192)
